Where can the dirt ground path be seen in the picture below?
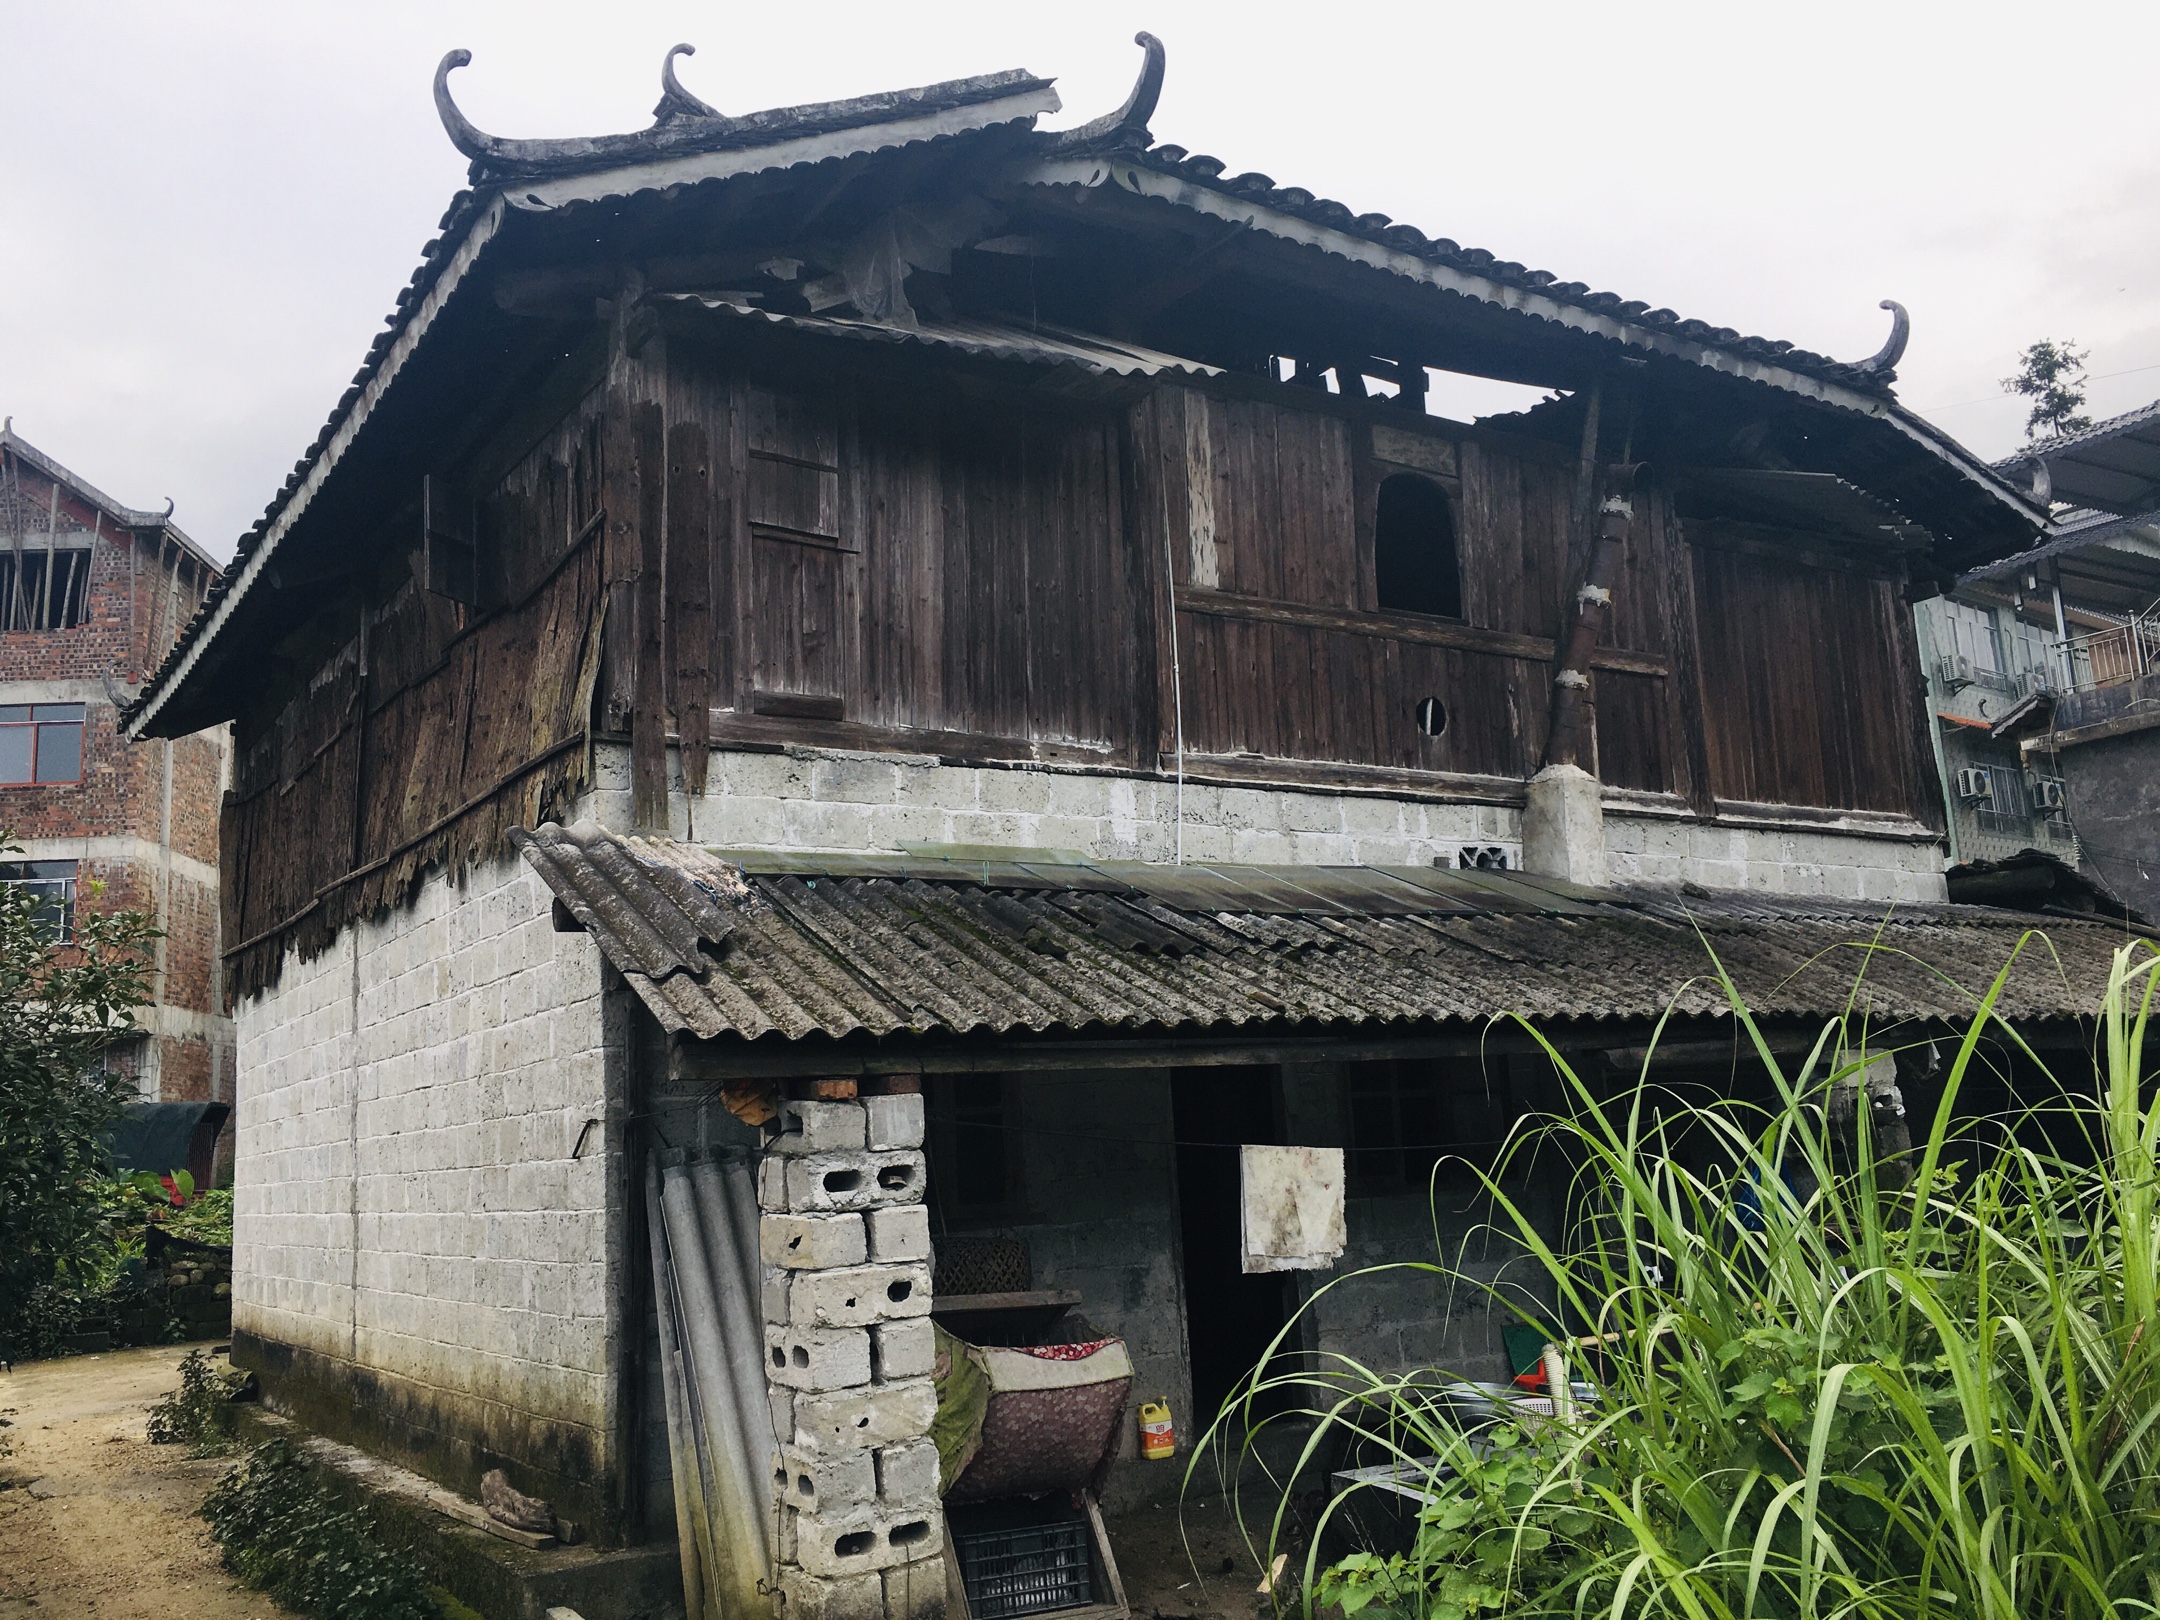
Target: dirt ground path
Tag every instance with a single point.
(94, 1520)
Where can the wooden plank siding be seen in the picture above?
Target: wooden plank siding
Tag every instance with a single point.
(426, 734)
(760, 558)
(1806, 694)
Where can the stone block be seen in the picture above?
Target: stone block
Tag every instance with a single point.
(782, 1403)
(829, 1182)
(814, 1597)
(893, 1122)
(832, 1481)
(897, 1233)
(917, 1590)
(844, 1544)
(817, 1358)
(856, 1296)
(818, 1127)
(907, 1474)
(865, 1418)
(776, 1295)
(903, 1349)
(772, 1183)
(812, 1242)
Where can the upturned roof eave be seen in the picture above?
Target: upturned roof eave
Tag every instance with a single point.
(1090, 171)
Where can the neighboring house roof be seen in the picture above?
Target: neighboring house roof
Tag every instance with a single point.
(690, 143)
(2112, 466)
(814, 945)
(2034, 880)
(123, 517)
(2105, 564)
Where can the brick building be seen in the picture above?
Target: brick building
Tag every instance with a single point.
(92, 594)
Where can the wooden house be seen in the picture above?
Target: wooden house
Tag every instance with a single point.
(963, 645)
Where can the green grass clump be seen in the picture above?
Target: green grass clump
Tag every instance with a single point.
(1836, 1384)
(283, 1533)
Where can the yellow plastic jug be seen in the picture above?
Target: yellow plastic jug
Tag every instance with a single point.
(1158, 1439)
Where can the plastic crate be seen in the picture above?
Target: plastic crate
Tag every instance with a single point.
(1030, 1570)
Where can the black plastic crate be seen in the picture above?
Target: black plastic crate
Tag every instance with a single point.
(1030, 1570)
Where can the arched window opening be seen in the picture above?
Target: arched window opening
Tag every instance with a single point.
(1414, 549)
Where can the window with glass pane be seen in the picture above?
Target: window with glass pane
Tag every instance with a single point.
(41, 742)
(50, 888)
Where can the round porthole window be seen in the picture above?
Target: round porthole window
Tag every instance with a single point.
(1431, 716)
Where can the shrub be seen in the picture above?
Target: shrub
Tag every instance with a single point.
(1827, 1383)
(283, 1533)
(199, 1414)
(61, 1008)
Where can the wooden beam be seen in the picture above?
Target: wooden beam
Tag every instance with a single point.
(1407, 627)
(648, 715)
(689, 622)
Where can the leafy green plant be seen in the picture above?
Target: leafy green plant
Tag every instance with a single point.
(205, 1218)
(199, 1414)
(283, 1533)
(61, 1009)
(1826, 1383)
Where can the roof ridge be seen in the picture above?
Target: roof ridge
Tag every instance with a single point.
(2064, 441)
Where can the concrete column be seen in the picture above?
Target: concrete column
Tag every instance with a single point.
(845, 1241)
(1563, 826)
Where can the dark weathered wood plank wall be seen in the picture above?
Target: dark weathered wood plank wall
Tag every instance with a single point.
(1806, 700)
(430, 731)
(798, 555)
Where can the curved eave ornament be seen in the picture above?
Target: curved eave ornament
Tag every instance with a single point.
(1127, 128)
(677, 110)
(1882, 364)
(682, 123)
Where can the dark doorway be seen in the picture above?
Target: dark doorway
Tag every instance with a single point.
(1229, 1317)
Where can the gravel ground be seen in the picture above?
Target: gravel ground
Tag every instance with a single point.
(94, 1520)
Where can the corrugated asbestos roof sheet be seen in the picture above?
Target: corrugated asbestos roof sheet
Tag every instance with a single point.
(833, 945)
(1042, 344)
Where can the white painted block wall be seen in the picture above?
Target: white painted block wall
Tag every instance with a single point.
(817, 799)
(406, 1197)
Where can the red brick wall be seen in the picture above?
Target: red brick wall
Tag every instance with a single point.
(132, 615)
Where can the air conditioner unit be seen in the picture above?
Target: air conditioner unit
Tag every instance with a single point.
(2048, 795)
(1953, 671)
(1975, 785)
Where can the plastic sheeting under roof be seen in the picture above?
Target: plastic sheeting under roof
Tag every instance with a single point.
(796, 946)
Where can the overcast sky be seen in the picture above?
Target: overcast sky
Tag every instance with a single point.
(209, 208)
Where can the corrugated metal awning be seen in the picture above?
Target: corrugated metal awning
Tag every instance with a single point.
(794, 946)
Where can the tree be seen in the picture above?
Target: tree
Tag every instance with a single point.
(62, 1007)
(2052, 376)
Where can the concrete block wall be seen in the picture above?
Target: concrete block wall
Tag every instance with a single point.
(818, 799)
(1827, 863)
(415, 1214)
(859, 1527)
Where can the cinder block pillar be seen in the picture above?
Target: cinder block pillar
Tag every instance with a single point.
(860, 1529)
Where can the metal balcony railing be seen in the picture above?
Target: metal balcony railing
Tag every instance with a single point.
(2112, 656)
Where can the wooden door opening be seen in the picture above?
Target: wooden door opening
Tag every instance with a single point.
(1230, 1318)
